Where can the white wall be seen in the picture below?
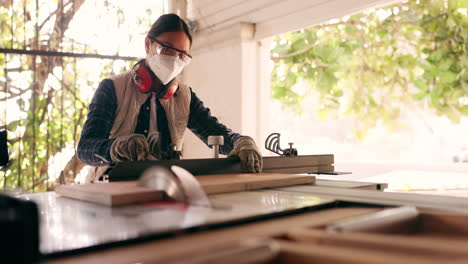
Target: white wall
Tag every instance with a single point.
(215, 77)
(231, 51)
(225, 74)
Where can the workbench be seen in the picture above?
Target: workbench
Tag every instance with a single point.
(279, 225)
(323, 221)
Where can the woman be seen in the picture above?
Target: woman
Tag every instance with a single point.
(142, 114)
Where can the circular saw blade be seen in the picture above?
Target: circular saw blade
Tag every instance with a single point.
(160, 178)
(192, 188)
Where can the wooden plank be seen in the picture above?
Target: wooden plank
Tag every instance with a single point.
(298, 161)
(298, 253)
(400, 244)
(127, 192)
(445, 223)
(303, 169)
(224, 183)
(309, 170)
(109, 193)
(247, 251)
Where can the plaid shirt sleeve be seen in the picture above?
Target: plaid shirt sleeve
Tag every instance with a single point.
(94, 145)
(203, 124)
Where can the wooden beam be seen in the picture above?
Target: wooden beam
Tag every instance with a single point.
(313, 15)
(273, 17)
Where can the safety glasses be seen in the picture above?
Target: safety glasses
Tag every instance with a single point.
(171, 51)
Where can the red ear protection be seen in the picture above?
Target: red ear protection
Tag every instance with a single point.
(144, 81)
(169, 89)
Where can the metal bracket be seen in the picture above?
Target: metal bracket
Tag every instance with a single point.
(272, 143)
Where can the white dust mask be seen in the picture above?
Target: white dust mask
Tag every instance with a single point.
(165, 67)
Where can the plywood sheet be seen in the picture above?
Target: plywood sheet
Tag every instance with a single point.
(121, 193)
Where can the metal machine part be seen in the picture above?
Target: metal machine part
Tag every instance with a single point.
(215, 141)
(69, 225)
(177, 183)
(131, 170)
(160, 178)
(272, 143)
(191, 187)
(174, 153)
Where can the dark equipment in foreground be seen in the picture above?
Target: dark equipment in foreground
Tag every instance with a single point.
(19, 224)
(4, 157)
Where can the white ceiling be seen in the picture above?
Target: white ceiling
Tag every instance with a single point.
(272, 17)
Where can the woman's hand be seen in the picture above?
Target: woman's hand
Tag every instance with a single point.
(132, 147)
(250, 157)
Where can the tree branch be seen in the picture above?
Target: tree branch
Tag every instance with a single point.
(52, 14)
(67, 87)
(15, 95)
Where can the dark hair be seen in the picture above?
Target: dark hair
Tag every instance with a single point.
(169, 23)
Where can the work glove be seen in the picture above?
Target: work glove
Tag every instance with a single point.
(250, 157)
(132, 147)
(154, 144)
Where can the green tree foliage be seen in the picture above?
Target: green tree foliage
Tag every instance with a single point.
(370, 65)
(47, 90)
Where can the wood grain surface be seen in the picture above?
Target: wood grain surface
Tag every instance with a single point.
(114, 193)
(402, 244)
(225, 183)
(127, 192)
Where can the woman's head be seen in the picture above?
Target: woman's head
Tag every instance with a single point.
(169, 23)
(167, 47)
(169, 30)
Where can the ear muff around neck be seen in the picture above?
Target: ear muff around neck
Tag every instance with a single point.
(168, 90)
(144, 80)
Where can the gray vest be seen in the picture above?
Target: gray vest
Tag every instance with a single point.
(129, 101)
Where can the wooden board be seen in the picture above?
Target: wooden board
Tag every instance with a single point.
(114, 193)
(236, 182)
(127, 192)
(299, 253)
(400, 244)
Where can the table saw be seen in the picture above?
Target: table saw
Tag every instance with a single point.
(309, 221)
